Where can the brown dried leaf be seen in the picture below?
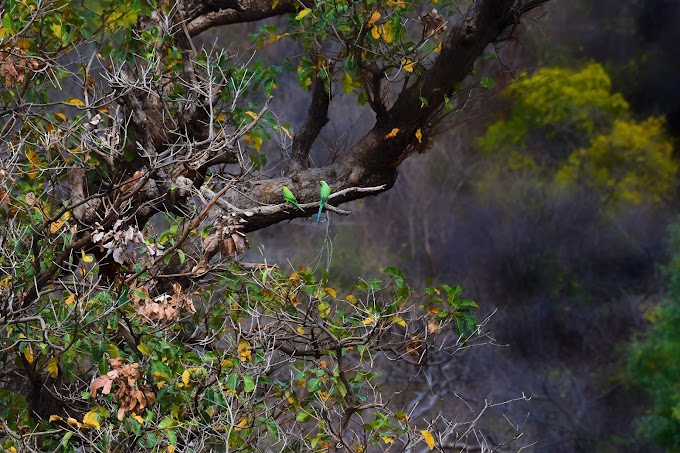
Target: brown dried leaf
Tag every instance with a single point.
(103, 382)
(240, 241)
(432, 22)
(433, 327)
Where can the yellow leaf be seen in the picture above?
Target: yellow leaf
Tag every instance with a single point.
(244, 352)
(227, 363)
(24, 44)
(351, 299)
(2, 31)
(275, 4)
(144, 349)
(253, 115)
(85, 258)
(331, 292)
(375, 17)
(388, 440)
(393, 133)
(35, 162)
(407, 64)
(75, 101)
(90, 419)
(139, 419)
(438, 48)
(12, 450)
(301, 330)
(56, 226)
(55, 418)
(242, 424)
(388, 33)
(429, 438)
(171, 449)
(61, 117)
(303, 13)
(28, 354)
(56, 28)
(186, 377)
(70, 299)
(419, 136)
(220, 117)
(73, 422)
(369, 320)
(399, 321)
(375, 32)
(53, 367)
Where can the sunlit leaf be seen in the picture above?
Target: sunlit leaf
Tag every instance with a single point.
(399, 321)
(303, 13)
(28, 354)
(53, 367)
(90, 419)
(428, 438)
(75, 101)
(375, 17)
(56, 226)
(86, 258)
(393, 133)
(407, 64)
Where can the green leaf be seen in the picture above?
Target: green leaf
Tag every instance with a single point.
(66, 438)
(394, 272)
(167, 422)
(151, 439)
(272, 428)
(314, 385)
(302, 417)
(487, 82)
(248, 383)
(467, 303)
(8, 23)
(347, 83)
(232, 381)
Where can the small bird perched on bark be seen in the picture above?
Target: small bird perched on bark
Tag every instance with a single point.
(290, 198)
(325, 193)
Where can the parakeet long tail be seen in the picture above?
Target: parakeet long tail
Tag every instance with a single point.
(318, 216)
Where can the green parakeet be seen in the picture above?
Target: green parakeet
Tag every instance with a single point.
(325, 193)
(290, 198)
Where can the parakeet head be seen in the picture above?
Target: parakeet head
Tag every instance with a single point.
(322, 182)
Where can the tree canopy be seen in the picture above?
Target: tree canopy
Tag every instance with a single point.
(134, 163)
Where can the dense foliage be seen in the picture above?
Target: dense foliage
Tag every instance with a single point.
(654, 366)
(133, 165)
(571, 125)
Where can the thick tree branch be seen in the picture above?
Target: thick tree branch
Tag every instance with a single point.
(205, 15)
(317, 118)
(372, 161)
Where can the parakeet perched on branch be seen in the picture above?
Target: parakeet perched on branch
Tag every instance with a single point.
(325, 193)
(290, 198)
